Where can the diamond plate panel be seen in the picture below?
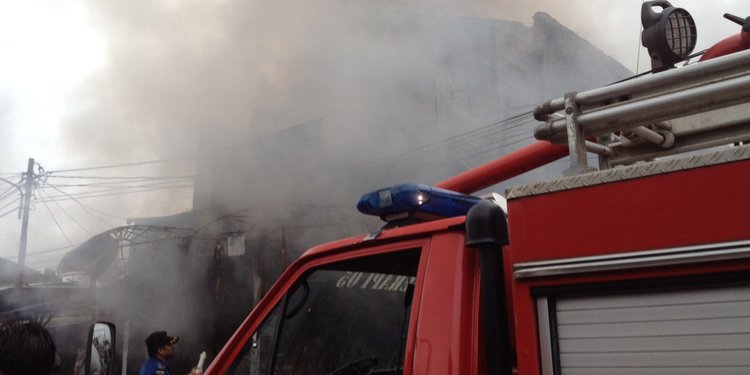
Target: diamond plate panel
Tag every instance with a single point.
(634, 171)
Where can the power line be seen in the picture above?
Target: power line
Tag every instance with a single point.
(108, 193)
(6, 213)
(489, 133)
(121, 165)
(6, 193)
(144, 178)
(473, 135)
(54, 250)
(98, 188)
(126, 184)
(89, 210)
(12, 186)
(478, 133)
(66, 213)
(126, 187)
(57, 223)
(11, 202)
(492, 142)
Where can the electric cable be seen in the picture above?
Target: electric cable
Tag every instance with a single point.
(12, 184)
(10, 203)
(126, 184)
(89, 210)
(145, 178)
(66, 213)
(57, 223)
(6, 213)
(493, 129)
(121, 165)
(6, 193)
(99, 194)
(494, 143)
(106, 187)
(53, 250)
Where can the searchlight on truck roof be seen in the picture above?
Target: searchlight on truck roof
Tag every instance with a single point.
(670, 35)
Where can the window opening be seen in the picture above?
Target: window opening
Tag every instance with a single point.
(346, 318)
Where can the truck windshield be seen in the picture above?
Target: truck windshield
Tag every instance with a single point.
(348, 318)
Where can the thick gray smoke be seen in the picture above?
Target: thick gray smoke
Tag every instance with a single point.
(291, 109)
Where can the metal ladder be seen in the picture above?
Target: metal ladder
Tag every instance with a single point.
(695, 107)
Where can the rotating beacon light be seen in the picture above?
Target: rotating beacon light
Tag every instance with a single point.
(415, 201)
(670, 36)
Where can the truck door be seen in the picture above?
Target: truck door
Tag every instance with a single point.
(347, 317)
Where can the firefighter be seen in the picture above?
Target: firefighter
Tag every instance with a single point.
(160, 348)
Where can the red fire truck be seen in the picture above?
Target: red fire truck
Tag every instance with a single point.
(640, 265)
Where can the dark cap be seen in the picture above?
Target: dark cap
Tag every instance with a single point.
(158, 339)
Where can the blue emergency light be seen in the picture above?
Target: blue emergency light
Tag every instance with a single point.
(415, 201)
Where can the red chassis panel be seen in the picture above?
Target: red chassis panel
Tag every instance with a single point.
(702, 205)
(699, 206)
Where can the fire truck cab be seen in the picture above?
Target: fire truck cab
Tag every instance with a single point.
(640, 265)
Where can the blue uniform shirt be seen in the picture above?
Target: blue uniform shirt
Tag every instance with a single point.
(154, 366)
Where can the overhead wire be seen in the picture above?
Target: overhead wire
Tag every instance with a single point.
(12, 184)
(473, 134)
(8, 196)
(126, 183)
(500, 140)
(89, 210)
(7, 192)
(108, 193)
(43, 191)
(145, 178)
(6, 213)
(492, 140)
(52, 215)
(46, 251)
(9, 204)
(483, 132)
(121, 165)
(114, 188)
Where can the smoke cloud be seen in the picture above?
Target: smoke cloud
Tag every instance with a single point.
(289, 110)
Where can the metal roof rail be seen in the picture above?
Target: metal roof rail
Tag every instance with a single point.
(694, 107)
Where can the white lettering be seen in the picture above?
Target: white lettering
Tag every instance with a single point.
(354, 279)
(396, 285)
(367, 280)
(384, 283)
(342, 280)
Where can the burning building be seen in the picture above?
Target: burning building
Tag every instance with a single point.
(428, 95)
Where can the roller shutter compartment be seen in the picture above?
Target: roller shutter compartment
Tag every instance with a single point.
(696, 331)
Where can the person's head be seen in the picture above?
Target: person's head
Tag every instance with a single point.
(160, 344)
(26, 348)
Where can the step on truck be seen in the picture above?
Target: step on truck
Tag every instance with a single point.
(636, 263)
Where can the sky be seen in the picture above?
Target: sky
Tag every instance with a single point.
(83, 85)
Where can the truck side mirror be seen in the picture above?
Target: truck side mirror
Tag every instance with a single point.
(100, 349)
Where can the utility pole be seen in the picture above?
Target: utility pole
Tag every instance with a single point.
(25, 208)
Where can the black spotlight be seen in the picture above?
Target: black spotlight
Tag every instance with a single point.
(670, 35)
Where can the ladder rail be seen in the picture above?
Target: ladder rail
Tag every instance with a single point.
(654, 109)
